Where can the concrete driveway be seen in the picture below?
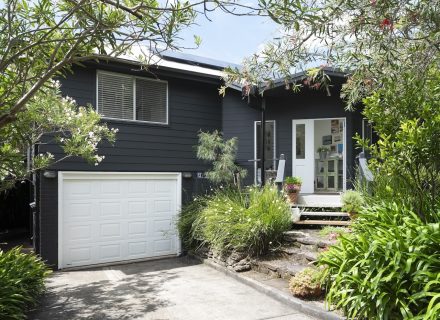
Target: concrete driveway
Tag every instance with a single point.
(176, 288)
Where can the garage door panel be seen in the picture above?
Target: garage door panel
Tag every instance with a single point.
(77, 233)
(137, 207)
(163, 187)
(79, 255)
(111, 187)
(162, 228)
(110, 209)
(78, 189)
(137, 228)
(138, 249)
(110, 251)
(110, 231)
(162, 247)
(117, 219)
(162, 206)
(138, 187)
(76, 210)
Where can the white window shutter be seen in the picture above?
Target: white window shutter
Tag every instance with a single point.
(115, 96)
(151, 100)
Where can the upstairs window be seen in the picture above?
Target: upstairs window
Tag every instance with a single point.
(132, 98)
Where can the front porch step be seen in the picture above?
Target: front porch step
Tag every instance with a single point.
(324, 214)
(323, 222)
(317, 200)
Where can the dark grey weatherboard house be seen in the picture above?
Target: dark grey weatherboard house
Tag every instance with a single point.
(125, 208)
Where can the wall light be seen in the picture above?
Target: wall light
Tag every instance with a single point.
(50, 174)
(187, 175)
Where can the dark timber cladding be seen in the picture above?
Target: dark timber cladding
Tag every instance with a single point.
(283, 106)
(194, 105)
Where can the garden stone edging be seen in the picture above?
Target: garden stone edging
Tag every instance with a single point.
(295, 303)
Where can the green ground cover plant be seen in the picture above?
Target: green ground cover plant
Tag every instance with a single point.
(21, 282)
(248, 221)
(352, 201)
(329, 230)
(307, 283)
(388, 268)
(186, 223)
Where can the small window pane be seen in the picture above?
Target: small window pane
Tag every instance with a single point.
(320, 182)
(331, 182)
(269, 144)
(115, 96)
(151, 100)
(319, 167)
(300, 141)
(331, 166)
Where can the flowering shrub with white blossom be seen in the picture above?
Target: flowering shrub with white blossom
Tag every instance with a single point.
(49, 117)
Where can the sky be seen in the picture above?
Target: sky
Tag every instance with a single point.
(229, 38)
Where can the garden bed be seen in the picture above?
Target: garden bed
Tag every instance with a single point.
(271, 273)
(299, 250)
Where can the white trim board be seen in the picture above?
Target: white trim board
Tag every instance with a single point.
(87, 175)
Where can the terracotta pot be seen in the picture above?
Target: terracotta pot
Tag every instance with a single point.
(293, 197)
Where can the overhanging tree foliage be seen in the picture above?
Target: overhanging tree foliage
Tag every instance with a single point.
(43, 39)
(371, 40)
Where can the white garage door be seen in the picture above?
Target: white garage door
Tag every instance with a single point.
(110, 217)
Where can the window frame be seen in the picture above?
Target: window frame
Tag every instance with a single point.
(255, 147)
(98, 72)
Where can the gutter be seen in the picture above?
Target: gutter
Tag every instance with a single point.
(214, 74)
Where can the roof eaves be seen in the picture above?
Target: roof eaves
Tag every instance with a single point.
(332, 72)
(168, 65)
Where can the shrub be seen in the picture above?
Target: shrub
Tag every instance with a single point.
(212, 147)
(388, 268)
(306, 284)
(21, 282)
(186, 220)
(406, 157)
(352, 201)
(293, 180)
(241, 221)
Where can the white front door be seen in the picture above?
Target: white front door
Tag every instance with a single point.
(303, 155)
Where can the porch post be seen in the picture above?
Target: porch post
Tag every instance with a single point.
(263, 141)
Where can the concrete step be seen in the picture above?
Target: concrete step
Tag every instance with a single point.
(323, 222)
(325, 206)
(324, 214)
(320, 200)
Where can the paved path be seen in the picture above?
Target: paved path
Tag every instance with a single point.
(162, 289)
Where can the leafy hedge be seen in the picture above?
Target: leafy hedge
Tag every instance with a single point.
(21, 282)
(231, 220)
(388, 268)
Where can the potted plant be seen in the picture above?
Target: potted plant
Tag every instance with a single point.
(292, 186)
(352, 202)
(323, 152)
